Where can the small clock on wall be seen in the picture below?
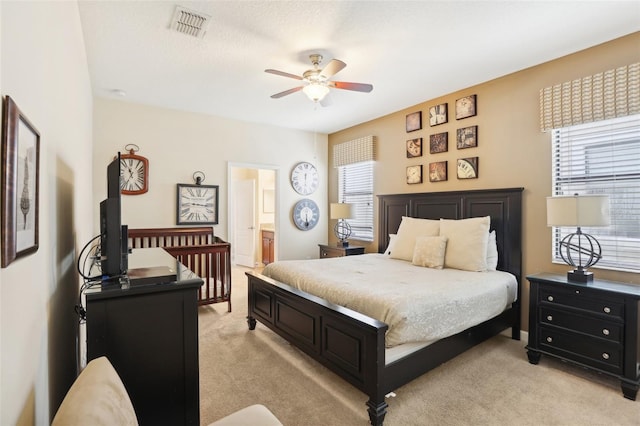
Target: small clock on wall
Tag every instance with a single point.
(134, 170)
(304, 178)
(306, 214)
(414, 174)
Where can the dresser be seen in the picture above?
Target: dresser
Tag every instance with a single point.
(594, 325)
(327, 251)
(148, 329)
(268, 246)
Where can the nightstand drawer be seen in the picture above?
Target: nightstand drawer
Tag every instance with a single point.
(591, 351)
(608, 306)
(609, 330)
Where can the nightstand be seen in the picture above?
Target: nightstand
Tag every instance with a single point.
(594, 325)
(335, 251)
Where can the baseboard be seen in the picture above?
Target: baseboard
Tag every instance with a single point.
(524, 335)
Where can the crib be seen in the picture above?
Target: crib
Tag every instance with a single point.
(199, 250)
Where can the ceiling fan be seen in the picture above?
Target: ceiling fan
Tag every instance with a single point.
(316, 83)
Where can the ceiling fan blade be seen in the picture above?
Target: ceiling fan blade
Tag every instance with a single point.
(287, 92)
(326, 101)
(332, 68)
(358, 87)
(283, 74)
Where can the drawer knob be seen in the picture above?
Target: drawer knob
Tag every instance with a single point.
(550, 298)
(549, 339)
(605, 331)
(607, 309)
(605, 355)
(549, 317)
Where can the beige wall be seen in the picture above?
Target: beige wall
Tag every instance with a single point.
(511, 149)
(179, 143)
(45, 72)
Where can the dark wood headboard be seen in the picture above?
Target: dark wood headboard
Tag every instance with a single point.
(503, 205)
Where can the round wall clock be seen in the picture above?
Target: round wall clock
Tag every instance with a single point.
(306, 214)
(134, 170)
(304, 178)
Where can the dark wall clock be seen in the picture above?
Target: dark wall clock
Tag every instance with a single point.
(197, 204)
(134, 170)
(306, 214)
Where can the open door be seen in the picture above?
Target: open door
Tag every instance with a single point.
(245, 223)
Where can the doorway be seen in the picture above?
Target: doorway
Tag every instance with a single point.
(252, 205)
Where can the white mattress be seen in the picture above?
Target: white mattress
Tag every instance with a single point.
(418, 304)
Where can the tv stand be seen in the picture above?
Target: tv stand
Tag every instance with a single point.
(148, 329)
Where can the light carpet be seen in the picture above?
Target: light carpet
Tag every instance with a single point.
(491, 384)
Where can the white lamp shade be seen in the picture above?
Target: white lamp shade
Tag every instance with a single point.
(578, 210)
(341, 211)
(315, 91)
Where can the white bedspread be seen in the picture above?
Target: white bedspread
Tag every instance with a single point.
(418, 304)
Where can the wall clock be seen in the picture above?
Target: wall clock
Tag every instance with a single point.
(197, 204)
(414, 174)
(134, 170)
(304, 178)
(306, 214)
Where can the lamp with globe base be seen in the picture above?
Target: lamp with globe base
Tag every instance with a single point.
(342, 229)
(578, 249)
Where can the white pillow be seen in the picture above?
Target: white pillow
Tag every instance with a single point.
(467, 245)
(409, 229)
(392, 241)
(429, 252)
(492, 252)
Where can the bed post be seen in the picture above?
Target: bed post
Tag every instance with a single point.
(377, 411)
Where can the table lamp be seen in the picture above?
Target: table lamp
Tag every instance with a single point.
(578, 249)
(342, 211)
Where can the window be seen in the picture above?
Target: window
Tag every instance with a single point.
(603, 157)
(355, 186)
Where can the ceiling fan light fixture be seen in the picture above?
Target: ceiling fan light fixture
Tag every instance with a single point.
(316, 91)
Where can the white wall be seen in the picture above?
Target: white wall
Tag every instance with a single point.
(44, 69)
(179, 143)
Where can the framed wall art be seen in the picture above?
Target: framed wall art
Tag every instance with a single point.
(414, 174)
(414, 121)
(467, 137)
(439, 143)
(438, 171)
(438, 115)
(467, 168)
(20, 184)
(414, 148)
(465, 107)
(197, 204)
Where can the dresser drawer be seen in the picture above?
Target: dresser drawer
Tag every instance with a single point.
(598, 353)
(608, 306)
(592, 325)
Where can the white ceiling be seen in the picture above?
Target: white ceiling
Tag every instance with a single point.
(411, 51)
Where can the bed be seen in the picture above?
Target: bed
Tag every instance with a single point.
(352, 344)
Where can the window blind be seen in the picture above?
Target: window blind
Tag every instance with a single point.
(354, 151)
(355, 186)
(603, 157)
(609, 94)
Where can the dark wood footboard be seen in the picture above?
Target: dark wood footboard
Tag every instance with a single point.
(348, 343)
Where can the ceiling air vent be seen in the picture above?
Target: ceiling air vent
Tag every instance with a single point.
(190, 22)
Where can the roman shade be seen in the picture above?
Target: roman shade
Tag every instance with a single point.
(354, 151)
(609, 94)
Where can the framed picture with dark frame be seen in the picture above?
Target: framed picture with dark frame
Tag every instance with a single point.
(414, 121)
(467, 137)
(466, 107)
(414, 148)
(438, 115)
(197, 204)
(439, 143)
(438, 171)
(20, 184)
(467, 168)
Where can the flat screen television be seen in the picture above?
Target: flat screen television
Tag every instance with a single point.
(113, 235)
